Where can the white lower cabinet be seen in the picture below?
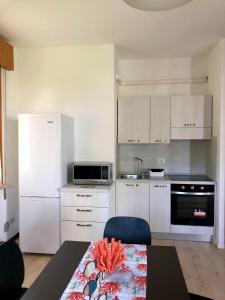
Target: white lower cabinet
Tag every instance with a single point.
(84, 212)
(160, 207)
(150, 201)
(132, 199)
(81, 231)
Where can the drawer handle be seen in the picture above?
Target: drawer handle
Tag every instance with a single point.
(84, 225)
(81, 195)
(160, 186)
(84, 210)
(131, 184)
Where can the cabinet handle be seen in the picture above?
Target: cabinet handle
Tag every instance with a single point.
(191, 125)
(158, 141)
(128, 184)
(82, 195)
(84, 210)
(131, 141)
(84, 225)
(159, 186)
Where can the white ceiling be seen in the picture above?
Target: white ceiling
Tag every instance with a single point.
(186, 31)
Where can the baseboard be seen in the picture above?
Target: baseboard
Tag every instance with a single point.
(182, 237)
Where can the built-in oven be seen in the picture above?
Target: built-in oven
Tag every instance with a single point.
(192, 204)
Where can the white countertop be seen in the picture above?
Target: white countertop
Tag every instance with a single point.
(72, 186)
(164, 179)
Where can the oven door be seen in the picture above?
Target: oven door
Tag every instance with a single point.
(192, 209)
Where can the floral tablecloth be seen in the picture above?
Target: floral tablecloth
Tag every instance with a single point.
(128, 282)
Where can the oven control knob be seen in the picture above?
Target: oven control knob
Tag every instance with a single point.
(192, 187)
(202, 188)
(183, 187)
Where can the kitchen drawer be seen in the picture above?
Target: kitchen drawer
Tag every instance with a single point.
(84, 198)
(81, 231)
(95, 214)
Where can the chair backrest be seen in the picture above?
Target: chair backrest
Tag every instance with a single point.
(11, 267)
(129, 230)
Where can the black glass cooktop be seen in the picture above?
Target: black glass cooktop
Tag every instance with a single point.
(189, 178)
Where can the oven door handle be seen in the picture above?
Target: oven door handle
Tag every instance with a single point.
(192, 194)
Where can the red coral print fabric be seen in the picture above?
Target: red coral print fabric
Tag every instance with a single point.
(124, 269)
(76, 296)
(128, 246)
(84, 279)
(93, 252)
(127, 282)
(141, 267)
(110, 288)
(141, 253)
(80, 277)
(140, 281)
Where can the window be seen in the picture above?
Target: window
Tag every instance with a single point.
(6, 63)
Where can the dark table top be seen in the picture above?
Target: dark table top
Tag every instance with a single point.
(165, 280)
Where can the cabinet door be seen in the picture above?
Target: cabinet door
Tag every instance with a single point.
(191, 111)
(160, 119)
(160, 207)
(132, 199)
(133, 119)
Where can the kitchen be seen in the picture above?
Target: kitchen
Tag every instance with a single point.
(179, 156)
(86, 82)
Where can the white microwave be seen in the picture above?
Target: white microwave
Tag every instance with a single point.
(92, 173)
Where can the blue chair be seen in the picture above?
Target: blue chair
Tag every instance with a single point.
(11, 271)
(198, 297)
(129, 230)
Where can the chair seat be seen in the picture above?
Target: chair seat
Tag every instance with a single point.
(13, 295)
(129, 230)
(198, 297)
(11, 271)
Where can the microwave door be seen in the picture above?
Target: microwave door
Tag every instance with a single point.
(87, 173)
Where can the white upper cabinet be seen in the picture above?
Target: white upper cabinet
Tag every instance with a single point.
(191, 117)
(160, 119)
(160, 207)
(133, 120)
(191, 111)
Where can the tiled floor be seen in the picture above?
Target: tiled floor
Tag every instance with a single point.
(203, 266)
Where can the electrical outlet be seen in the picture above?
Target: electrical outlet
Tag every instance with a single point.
(161, 161)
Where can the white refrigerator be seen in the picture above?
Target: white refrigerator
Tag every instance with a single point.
(45, 154)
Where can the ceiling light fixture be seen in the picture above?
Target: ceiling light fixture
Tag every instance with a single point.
(154, 5)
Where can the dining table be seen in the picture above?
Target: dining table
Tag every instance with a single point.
(165, 280)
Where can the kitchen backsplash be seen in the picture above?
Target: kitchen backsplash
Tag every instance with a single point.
(176, 157)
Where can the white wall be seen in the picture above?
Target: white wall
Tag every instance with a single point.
(76, 81)
(160, 69)
(216, 156)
